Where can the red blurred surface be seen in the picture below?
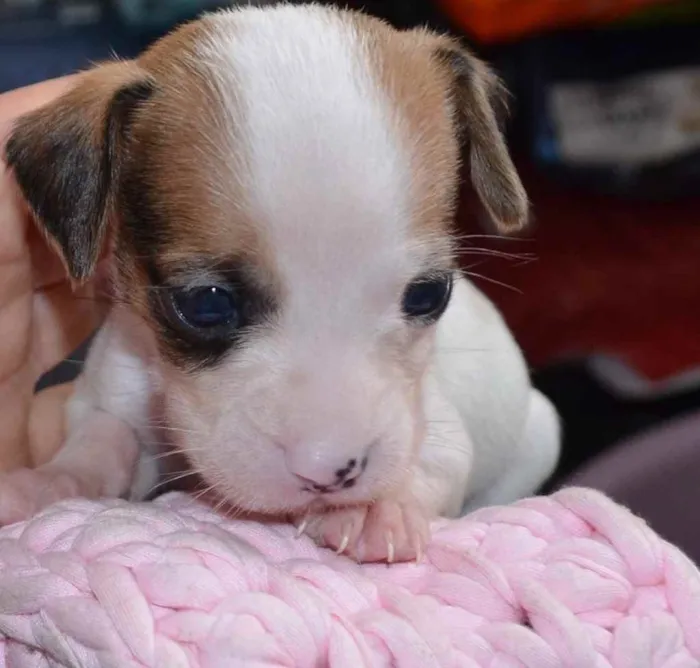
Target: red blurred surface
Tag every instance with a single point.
(610, 276)
(501, 20)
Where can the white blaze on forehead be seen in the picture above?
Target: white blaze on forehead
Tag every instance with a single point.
(328, 178)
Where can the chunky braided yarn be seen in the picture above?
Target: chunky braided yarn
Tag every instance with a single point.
(567, 580)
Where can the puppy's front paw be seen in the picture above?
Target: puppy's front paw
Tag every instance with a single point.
(387, 530)
(25, 492)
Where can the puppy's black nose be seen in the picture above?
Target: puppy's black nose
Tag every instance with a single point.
(343, 474)
(345, 477)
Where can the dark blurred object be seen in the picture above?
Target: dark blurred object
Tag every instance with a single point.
(162, 14)
(616, 111)
(401, 13)
(670, 11)
(490, 21)
(656, 476)
(43, 39)
(21, 15)
(61, 13)
(597, 415)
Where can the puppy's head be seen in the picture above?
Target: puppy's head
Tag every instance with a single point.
(274, 190)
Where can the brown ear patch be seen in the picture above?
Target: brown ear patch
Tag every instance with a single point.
(65, 156)
(183, 191)
(436, 85)
(480, 98)
(402, 66)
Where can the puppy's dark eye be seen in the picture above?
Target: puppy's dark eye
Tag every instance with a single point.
(207, 308)
(427, 297)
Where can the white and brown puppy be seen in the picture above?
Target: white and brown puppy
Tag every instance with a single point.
(273, 192)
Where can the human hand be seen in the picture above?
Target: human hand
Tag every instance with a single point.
(42, 319)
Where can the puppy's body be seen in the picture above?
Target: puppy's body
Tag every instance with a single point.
(294, 169)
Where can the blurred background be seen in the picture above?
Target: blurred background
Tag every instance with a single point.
(603, 292)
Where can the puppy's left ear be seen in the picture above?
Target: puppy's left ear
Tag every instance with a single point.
(479, 100)
(66, 155)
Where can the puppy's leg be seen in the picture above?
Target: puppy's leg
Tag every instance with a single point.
(533, 461)
(101, 450)
(397, 527)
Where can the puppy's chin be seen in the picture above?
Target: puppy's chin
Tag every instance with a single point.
(250, 476)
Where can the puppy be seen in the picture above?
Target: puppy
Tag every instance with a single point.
(271, 192)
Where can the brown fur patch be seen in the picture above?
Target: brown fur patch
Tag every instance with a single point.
(183, 194)
(479, 97)
(443, 94)
(167, 193)
(419, 91)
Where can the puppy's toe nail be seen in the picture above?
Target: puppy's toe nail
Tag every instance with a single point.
(419, 548)
(302, 528)
(390, 552)
(345, 541)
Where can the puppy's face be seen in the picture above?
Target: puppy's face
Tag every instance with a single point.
(274, 189)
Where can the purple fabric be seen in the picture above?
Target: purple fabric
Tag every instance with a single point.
(657, 476)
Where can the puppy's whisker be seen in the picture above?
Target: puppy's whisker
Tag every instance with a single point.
(446, 437)
(493, 281)
(462, 238)
(179, 430)
(446, 444)
(202, 493)
(162, 455)
(174, 452)
(435, 432)
(124, 394)
(441, 422)
(490, 252)
(171, 479)
(441, 433)
(223, 502)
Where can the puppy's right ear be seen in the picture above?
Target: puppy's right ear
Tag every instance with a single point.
(66, 156)
(480, 99)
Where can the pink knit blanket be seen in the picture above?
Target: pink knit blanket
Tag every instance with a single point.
(570, 580)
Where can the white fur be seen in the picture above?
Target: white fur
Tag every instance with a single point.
(514, 429)
(332, 378)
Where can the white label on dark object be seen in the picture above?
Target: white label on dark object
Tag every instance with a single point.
(644, 119)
